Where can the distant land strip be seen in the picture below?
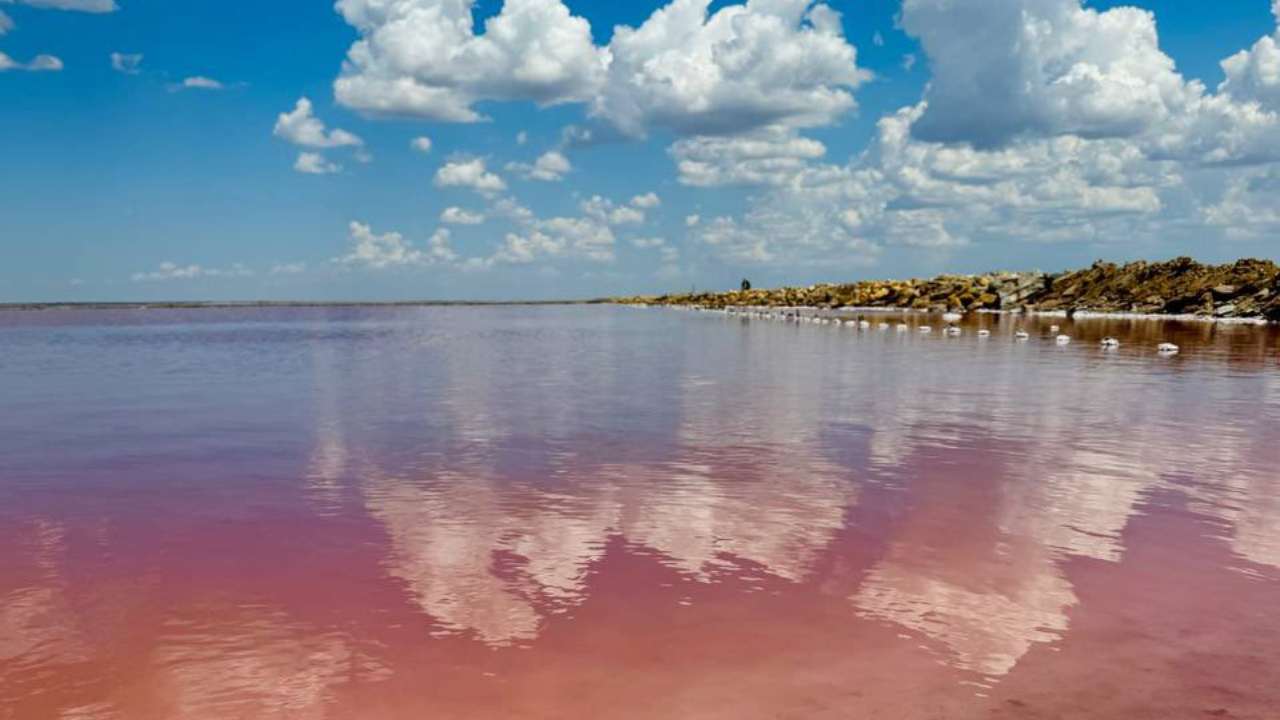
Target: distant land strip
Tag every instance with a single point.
(1247, 289)
(212, 305)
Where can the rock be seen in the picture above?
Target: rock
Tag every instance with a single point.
(1247, 288)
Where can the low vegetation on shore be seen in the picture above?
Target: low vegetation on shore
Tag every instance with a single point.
(1244, 289)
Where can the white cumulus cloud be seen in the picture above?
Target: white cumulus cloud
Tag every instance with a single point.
(747, 65)
(607, 212)
(647, 201)
(200, 82)
(469, 174)
(312, 163)
(551, 166)
(459, 216)
(1013, 69)
(89, 6)
(39, 63)
(301, 127)
(173, 271)
(1254, 74)
(127, 63)
(750, 65)
(423, 57)
(374, 251)
(770, 156)
(646, 243)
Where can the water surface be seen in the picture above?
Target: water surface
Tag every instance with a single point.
(594, 512)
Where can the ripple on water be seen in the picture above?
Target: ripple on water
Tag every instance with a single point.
(318, 514)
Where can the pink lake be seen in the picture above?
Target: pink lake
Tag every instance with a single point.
(600, 512)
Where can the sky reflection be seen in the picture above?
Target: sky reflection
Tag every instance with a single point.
(364, 502)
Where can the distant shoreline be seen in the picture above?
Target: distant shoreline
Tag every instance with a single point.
(1244, 291)
(284, 304)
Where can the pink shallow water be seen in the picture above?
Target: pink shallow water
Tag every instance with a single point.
(618, 513)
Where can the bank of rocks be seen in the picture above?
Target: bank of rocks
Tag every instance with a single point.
(1244, 289)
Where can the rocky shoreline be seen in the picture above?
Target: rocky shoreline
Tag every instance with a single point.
(1244, 290)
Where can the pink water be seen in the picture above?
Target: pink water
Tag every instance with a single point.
(387, 514)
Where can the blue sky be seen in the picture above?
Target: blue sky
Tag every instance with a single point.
(781, 140)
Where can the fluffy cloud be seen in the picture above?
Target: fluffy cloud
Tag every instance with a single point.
(1011, 68)
(647, 201)
(89, 6)
(921, 227)
(1045, 121)
(582, 236)
(302, 127)
(1017, 69)
(556, 238)
(458, 216)
(606, 212)
(174, 271)
(200, 82)
(589, 237)
(793, 228)
(1254, 74)
(1247, 209)
(373, 251)
(770, 156)
(1056, 123)
(315, 164)
(736, 243)
(469, 174)
(40, 63)
(1089, 176)
(522, 249)
(421, 144)
(126, 63)
(551, 166)
(765, 62)
(44, 63)
(512, 210)
(906, 192)
(423, 58)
